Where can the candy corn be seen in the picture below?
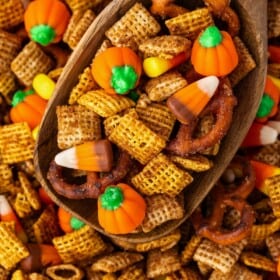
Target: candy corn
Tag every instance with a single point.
(263, 171)
(275, 80)
(41, 255)
(91, 156)
(259, 134)
(156, 66)
(188, 102)
(7, 214)
(275, 125)
(43, 85)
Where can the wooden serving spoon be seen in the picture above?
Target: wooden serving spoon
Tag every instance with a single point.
(249, 91)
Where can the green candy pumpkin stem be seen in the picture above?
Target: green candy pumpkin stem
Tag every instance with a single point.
(265, 107)
(112, 198)
(123, 78)
(211, 37)
(20, 95)
(42, 34)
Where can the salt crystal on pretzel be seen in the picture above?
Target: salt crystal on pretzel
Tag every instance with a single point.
(161, 176)
(190, 24)
(160, 209)
(104, 104)
(160, 88)
(76, 124)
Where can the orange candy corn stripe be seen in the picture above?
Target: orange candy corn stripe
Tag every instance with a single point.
(188, 102)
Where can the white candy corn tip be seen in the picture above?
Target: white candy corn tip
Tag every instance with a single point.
(67, 158)
(268, 135)
(5, 207)
(208, 85)
(275, 125)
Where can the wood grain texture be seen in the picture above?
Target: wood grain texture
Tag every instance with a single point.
(253, 32)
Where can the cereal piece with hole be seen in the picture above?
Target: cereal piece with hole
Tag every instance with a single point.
(65, 271)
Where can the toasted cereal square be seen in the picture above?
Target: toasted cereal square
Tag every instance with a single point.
(11, 13)
(22, 205)
(160, 209)
(160, 88)
(82, 244)
(31, 61)
(137, 139)
(165, 46)
(273, 188)
(190, 24)
(12, 250)
(238, 271)
(161, 176)
(273, 18)
(163, 243)
(80, 28)
(162, 263)
(255, 260)
(9, 48)
(246, 62)
(104, 104)
(218, 256)
(16, 143)
(46, 227)
(6, 175)
(29, 191)
(8, 85)
(133, 273)
(76, 124)
(158, 118)
(116, 261)
(82, 5)
(137, 22)
(190, 248)
(85, 84)
(273, 245)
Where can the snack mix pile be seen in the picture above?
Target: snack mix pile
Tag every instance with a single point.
(145, 117)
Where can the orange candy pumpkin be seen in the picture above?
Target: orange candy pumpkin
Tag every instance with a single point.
(214, 53)
(27, 106)
(120, 209)
(269, 103)
(46, 21)
(117, 70)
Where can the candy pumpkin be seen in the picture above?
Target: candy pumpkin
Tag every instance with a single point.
(214, 53)
(27, 106)
(117, 70)
(46, 20)
(120, 209)
(269, 102)
(67, 222)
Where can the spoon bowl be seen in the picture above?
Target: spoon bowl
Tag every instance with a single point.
(249, 92)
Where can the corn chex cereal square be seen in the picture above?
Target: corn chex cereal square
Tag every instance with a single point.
(16, 143)
(161, 175)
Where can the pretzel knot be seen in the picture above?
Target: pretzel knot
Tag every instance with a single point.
(221, 105)
(94, 185)
(224, 196)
